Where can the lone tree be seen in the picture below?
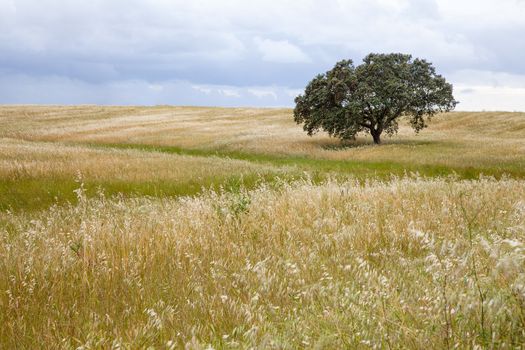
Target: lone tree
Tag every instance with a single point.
(372, 96)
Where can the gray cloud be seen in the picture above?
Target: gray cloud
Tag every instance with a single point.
(22, 89)
(80, 51)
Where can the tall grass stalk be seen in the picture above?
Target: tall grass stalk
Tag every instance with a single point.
(351, 264)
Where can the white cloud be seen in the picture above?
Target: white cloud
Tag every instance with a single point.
(262, 93)
(229, 93)
(250, 45)
(7, 8)
(490, 98)
(487, 90)
(293, 92)
(280, 51)
(487, 78)
(202, 89)
(19, 89)
(483, 13)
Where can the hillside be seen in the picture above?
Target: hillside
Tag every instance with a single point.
(178, 150)
(199, 228)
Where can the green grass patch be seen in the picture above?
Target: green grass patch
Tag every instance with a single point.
(39, 193)
(35, 194)
(320, 167)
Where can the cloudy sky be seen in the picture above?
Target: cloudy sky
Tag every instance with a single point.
(249, 53)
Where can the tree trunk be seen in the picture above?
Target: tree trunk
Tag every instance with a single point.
(376, 135)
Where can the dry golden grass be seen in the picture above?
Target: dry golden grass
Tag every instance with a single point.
(460, 139)
(400, 263)
(23, 159)
(397, 264)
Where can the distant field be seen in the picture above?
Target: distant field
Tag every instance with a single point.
(182, 227)
(164, 151)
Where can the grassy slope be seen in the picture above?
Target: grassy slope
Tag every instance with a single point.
(34, 175)
(219, 146)
(400, 263)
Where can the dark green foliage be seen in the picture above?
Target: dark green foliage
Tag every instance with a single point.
(371, 97)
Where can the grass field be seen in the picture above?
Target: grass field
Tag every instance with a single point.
(176, 227)
(165, 151)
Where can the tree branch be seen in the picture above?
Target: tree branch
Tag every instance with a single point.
(396, 114)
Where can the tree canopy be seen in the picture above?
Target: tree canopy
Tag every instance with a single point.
(371, 97)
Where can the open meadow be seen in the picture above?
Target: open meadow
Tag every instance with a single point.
(186, 227)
